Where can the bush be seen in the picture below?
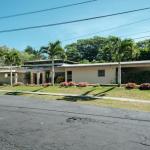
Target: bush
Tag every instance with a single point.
(83, 84)
(131, 86)
(18, 84)
(32, 85)
(65, 84)
(72, 84)
(46, 84)
(145, 86)
(60, 79)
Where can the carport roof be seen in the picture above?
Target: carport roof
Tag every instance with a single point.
(147, 62)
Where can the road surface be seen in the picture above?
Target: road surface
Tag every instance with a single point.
(31, 124)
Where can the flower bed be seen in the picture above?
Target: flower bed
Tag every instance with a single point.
(131, 86)
(80, 84)
(145, 86)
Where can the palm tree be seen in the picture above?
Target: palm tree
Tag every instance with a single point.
(12, 58)
(54, 50)
(116, 54)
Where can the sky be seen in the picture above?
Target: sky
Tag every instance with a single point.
(71, 32)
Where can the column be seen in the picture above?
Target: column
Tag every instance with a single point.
(119, 74)
(31, 78)
(38, 78)
(66, 78)
(16, 78)
(43, 78)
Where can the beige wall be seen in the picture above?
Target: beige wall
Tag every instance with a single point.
(4, 80)
(90, 74)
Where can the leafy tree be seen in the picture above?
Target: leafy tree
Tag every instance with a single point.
(36, 54)
(72, 52)
(144, 50)
(12, 58)
(3, 51)
(128, 49)
(88, 49)
(53, 50)
(26, 57)
(29, 50)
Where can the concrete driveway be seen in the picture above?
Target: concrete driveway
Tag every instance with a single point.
(29, 124)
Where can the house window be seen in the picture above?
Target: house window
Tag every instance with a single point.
(69, 76)
(12, 75)
(101, 73)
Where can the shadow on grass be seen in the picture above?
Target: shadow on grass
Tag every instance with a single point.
(103, 93)
(88, 92)
(75, 99)
(15, 93)
(37, 90)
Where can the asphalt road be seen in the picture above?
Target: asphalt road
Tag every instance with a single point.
(29, 124)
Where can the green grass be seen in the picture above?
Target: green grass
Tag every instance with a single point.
(119, 104)
(96, 91)
(107, 91)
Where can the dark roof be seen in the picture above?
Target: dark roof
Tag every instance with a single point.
(58, 62)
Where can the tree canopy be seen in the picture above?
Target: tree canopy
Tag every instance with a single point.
(95, 49)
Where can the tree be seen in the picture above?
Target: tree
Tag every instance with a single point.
(144, 50)
(128, 50)
(115, 53)
(12, 58)
(72, 52)
(36, 54)
(54, 50)
(29, 50)
(3, 51)
(88, 49)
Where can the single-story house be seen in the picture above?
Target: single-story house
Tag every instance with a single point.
(39, 72)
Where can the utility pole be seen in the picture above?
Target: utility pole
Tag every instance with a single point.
(11, 75)
(119, 74)
(53, 72)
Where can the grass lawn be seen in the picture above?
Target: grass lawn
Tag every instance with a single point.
(97, 91)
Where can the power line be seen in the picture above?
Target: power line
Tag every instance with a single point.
(136, 33)
(108, 29)
(46, 10)
(141, 37)
(74, 21)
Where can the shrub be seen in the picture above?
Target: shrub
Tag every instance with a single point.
(32, 85)
(83, 84)
(18, 84)
(66, 84)
(131, 86)
(72, 84)
(60, 79)
(145, 86)
(46, 84)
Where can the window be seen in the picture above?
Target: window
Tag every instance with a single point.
(12, 75)
(101, 73)
(69, 76)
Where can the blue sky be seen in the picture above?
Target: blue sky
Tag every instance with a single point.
(40, 37)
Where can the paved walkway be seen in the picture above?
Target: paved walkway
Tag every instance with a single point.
(83, 96)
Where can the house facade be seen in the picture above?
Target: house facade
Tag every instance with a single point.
(39, 72)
